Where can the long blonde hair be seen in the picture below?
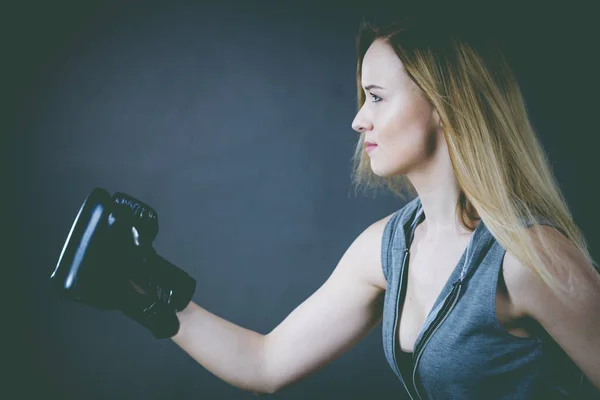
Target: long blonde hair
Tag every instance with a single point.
(501, 167)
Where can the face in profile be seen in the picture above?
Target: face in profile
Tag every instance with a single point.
(396, 115)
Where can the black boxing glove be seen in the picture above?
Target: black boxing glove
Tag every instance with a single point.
(144, 218)
(108, 262)
(161, 280)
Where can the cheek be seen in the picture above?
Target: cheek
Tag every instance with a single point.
(405, 133)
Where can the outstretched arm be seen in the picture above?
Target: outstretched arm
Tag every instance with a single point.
(331, 321)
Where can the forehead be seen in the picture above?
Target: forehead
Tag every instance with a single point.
(381, 63)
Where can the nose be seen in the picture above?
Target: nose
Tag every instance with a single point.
(360, 124)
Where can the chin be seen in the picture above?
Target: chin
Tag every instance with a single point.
(384, 173)
(389, 170)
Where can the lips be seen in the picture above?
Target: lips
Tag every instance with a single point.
(369, 146)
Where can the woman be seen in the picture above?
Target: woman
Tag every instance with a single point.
(483, 282)
(496, 311)
(493, 311)
(446, 118)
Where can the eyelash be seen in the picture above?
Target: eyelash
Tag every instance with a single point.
(374, 100)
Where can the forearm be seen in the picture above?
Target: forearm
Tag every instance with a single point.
(231, 352)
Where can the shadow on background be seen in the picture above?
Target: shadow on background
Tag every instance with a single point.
(233, 122)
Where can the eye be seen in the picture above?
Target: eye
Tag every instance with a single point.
(376, 98)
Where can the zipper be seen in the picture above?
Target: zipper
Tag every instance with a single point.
(443, 314)
(396, 325)
(449, 303)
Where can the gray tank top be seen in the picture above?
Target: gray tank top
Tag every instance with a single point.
(462, 352)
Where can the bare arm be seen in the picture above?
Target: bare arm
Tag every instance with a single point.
(332, 320)
(229, 351)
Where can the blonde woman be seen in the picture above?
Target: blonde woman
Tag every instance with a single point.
(477, 300)
(482, 281)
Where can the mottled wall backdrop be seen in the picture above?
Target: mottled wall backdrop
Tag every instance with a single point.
(233, 121)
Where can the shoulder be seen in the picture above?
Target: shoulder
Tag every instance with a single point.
(520, 280)
(374, 238)
(527, 289)
(569, 317)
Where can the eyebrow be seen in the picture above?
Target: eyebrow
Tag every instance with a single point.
(372, 87)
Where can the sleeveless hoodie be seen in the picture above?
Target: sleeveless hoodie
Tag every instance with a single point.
(462, 352)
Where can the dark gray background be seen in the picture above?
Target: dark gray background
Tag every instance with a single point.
(233, 122)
